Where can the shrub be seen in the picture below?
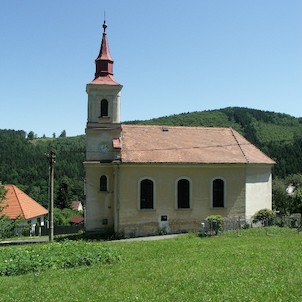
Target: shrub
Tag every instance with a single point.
(265, 216)
(216, 222)
(66, 254)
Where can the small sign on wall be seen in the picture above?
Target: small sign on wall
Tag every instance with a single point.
(164, 218)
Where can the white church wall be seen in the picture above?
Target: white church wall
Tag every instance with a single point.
(258, 189)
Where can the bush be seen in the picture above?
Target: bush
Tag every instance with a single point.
(265, 216)
(63, 255)
(216, 222)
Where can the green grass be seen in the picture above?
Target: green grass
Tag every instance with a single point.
(257, 265)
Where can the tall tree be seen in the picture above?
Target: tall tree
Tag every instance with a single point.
(31, 135)
(64, 194)
(281, 200)
(63, 133)
(297, 201)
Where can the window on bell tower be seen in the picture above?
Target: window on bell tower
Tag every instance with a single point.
(103, 183)
(104, 108)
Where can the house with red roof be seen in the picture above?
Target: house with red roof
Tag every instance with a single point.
(19, 205)
(76, 220)
(143, 179)
(76, 206)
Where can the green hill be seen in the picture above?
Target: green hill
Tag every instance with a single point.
(24, 162)
(259, 127)
(23, 159)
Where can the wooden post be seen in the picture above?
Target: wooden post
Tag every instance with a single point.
(51, 161)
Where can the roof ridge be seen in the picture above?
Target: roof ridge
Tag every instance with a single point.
(17, 197)
(233, 133)
(174, 126)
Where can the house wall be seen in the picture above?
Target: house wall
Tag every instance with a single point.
(258, 189)
(136, 222)
(33, 223)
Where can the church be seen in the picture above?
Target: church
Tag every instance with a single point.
(143, 180)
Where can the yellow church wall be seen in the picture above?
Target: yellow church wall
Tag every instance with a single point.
(99, 208)
(135, 222)
(95, 141)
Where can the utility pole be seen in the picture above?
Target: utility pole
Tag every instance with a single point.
(51, 161)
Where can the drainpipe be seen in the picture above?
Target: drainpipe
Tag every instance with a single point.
(117, 198)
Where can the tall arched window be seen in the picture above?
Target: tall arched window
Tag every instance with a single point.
(218, 193)
(183, 194)
(104, 108)
(103, 183)
(146, 194)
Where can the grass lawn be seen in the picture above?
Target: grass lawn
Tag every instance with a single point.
(257, 265)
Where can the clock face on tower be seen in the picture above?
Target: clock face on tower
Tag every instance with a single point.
(104, 148)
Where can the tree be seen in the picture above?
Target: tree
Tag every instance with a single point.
(2, 195)
(31, 135)
(297, 201)
(64, 194)
(62, 217)
(295, 180)
(296, 198)
(281, 200)
(265, 216)
(63, 134)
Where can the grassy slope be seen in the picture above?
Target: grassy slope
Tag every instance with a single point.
(251, 267)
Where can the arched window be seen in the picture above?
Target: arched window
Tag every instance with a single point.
(103, 183)
(104, 108)
(146, 194)
(218, 193)
(183, 194)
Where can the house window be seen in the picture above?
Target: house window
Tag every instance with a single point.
(103, 183)
(218, 193)
(104, 108)
(146, 194)
(183, 194)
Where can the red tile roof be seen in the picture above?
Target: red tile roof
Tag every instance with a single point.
(116, 143)
(75, 205)
(21, 205)
(104, 64)
(76, 220)
(176, 144)
(105, 80)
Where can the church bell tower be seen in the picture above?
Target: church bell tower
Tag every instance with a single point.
(103, 132)
(103, 122)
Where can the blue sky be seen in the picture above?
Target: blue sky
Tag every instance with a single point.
(171, 57)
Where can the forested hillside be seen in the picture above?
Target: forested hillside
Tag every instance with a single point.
(23, 162)
(23, 158)
(276, 134)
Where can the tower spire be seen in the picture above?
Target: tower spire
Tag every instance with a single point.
(104, 62)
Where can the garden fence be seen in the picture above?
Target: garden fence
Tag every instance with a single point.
(213, 227)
